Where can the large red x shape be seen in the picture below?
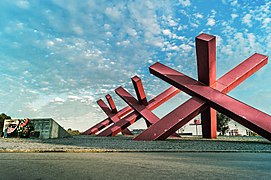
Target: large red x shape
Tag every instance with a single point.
(205, 96)
(191, 108)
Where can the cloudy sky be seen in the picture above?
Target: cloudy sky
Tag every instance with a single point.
(58, 57)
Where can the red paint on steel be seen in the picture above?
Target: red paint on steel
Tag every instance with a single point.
(101, 125)
(206, 58)
(147, 114)
(206, 63)
(140, 109)
(241, 72)
(112, 116)
(96, 128)
(134, 116)
(111, 104)
(173, 121)
(106, 109)
(140, 93)
(162, 129)
(246, 115)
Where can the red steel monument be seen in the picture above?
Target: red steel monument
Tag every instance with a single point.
(208, 95)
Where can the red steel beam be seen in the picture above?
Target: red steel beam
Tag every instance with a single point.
(140, 93)
(112, 116)
(101, 125)
(111, 104)
(191, 108)
(134, 116)
(246, 115)
(106, 110)
(147, 114)
(96, 128)
(206, 64)
(150, 117)
(173, 121)
(141, 97)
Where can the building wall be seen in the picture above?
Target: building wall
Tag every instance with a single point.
(47, 127)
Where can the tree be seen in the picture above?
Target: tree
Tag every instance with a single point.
(3, 116)
(222, 123)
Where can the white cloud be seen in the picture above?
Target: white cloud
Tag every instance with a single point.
(247, 20)
(233, 16)
(171, 22)
(198, 15)
(90, 98)
(185, 47)
(74, 98)
(50, 43)
(78, 30)
(113, 12)
(123, 43)
(251, 39)
(110, 52)
(109, 34)
(107, 26)
(150, 61)
(58, 100)
(166, 32)
(219, 40)
(24, 4)
(185, 2)
(210, 22)
(266, 22)
(20, 25)
(234, 3)
(131, 32)
(174, 48)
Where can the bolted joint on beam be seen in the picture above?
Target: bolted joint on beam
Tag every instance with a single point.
(140, 93)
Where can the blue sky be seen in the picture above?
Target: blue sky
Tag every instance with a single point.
(58, 57)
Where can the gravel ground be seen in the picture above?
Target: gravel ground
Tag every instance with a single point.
(126, 144)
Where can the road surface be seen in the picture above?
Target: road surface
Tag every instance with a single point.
(135, 166)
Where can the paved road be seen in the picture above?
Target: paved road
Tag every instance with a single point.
(135, 166)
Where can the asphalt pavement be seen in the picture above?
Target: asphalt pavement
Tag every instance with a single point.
(158, 165)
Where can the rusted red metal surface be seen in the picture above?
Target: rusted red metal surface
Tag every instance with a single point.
(134, 116)
(246, 115)
(184, 113)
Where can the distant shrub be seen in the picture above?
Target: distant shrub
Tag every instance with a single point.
(73, 132)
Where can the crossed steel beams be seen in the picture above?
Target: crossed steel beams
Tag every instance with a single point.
(206, 65)
(114, 114)
(201, 102)
(134, 116)
(130, 118)
(207, 96)
(191, 108)
(161, 129)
